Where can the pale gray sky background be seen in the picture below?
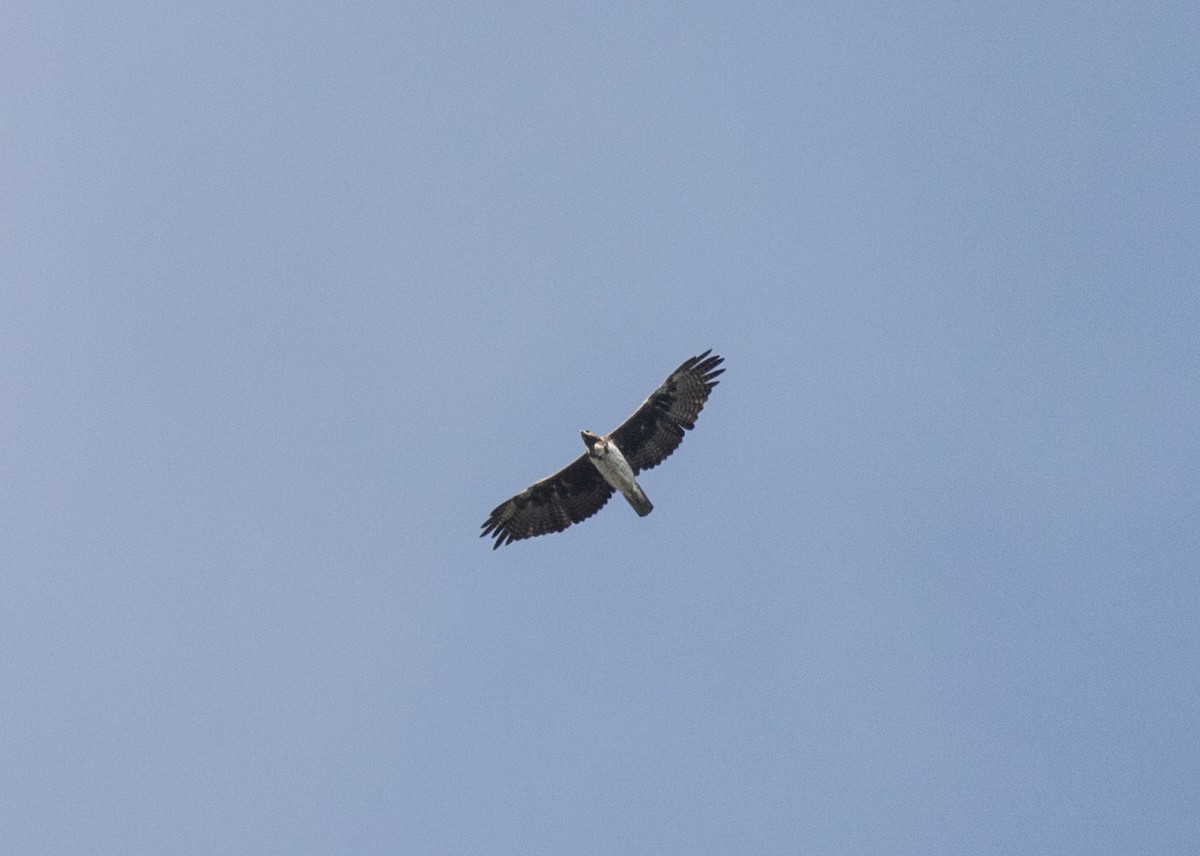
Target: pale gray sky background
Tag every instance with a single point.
(292, 296)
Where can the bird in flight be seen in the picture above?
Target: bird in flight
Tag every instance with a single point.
(644, 440)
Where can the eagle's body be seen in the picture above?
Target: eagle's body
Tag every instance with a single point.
(612, 462)
(607, 458)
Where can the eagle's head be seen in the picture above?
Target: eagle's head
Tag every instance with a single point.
(591, 440)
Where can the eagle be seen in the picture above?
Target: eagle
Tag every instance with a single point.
(644, 440)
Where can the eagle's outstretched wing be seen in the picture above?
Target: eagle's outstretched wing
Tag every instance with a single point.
(655, 430)
(571, 495)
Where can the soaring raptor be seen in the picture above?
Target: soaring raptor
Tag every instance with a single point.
(644, 440)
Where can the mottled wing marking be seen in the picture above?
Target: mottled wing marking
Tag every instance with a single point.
(571, 495)
(656, 429)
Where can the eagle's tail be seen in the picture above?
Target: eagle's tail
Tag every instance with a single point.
(640, 502)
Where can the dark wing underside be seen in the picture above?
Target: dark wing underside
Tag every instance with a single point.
(571, 495)
(656, 429)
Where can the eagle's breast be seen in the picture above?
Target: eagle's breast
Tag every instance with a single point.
(607, 458)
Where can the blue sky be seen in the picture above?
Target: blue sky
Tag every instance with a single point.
(291, 297)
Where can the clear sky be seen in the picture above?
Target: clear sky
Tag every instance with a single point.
(292, 296)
